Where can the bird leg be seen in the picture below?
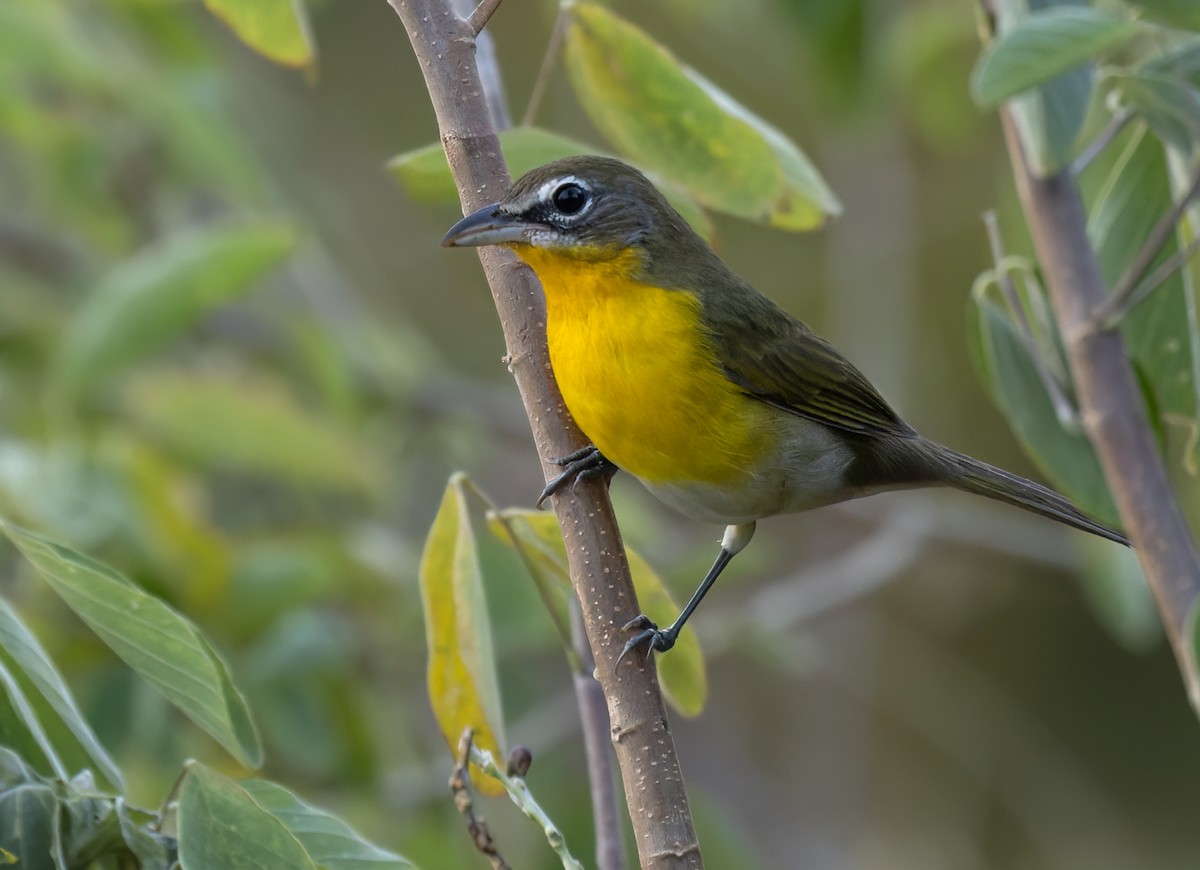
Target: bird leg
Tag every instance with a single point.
(582, 464)
(654, 638)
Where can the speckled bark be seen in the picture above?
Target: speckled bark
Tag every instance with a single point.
(645, 750)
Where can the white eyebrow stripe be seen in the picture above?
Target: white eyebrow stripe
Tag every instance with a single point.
(543, 192)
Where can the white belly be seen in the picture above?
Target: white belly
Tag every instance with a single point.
(807, 470)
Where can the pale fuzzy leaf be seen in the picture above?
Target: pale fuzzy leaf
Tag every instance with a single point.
(19, 645)
(1043, 45)
(150, 637)
(329, 841)
(222, 826)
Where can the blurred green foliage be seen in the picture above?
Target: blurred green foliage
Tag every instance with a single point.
(234, 365)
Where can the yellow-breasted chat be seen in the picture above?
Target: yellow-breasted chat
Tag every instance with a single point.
(724, 405)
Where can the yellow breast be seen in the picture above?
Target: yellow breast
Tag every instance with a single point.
(639, 378)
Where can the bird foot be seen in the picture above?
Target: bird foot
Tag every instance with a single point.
(583, 464)
(653, 638)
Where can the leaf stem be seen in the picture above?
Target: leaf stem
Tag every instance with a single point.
(1153, 281)
(553, 45)
(519, 792)
(1105, 137)
(1067, 415)
(1121, 299)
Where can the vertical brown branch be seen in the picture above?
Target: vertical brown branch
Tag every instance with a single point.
(444, 45)
(1113, 412)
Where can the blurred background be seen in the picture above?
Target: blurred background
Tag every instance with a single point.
(920, 680)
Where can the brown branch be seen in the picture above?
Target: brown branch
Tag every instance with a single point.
(483, 12)
(460, 786)
(645, 749)
(1113, 413)
(593, 717)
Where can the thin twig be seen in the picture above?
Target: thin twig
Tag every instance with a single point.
(1154, 280)
(460, 786)
(552, 48)
(593, 716)
(1102, 141)
(479, 18)
(1063, 408)
(1159, 236)
(520, 795)
(488, 64)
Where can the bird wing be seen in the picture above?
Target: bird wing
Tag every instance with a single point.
(779, 360)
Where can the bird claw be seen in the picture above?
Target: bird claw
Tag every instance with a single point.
(651, 636)
(582, 464)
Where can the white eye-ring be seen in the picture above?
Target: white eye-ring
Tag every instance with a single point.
(568, 196)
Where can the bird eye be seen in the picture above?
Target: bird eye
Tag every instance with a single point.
(569, 198)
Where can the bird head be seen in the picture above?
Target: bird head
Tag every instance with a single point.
(585, 208)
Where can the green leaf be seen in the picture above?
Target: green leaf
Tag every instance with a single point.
(221, 825)
(88, 826)
(1177, 13)
(1043, 45)
(22, 653)
(276, 29)
(251, 426)
(150, 637)
(461, 677)
(539, 541)
(671, 119)
(1161, 332)
(1048, 118)
(329, 841)
(153, 850)
(21, 729)
(1004, 364)
(1180, 61)
(149, 299)
(425, 174)
(1166, 103)
(29, 825)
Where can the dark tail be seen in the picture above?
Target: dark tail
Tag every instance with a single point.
(971, 475)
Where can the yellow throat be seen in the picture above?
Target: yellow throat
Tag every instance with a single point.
(639, 377)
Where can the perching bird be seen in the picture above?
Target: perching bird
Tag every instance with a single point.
(725, 406)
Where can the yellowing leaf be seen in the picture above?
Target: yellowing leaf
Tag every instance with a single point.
(425, 174)
(539, 540)
(671, 119)
(461, 676)
(276, 29)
